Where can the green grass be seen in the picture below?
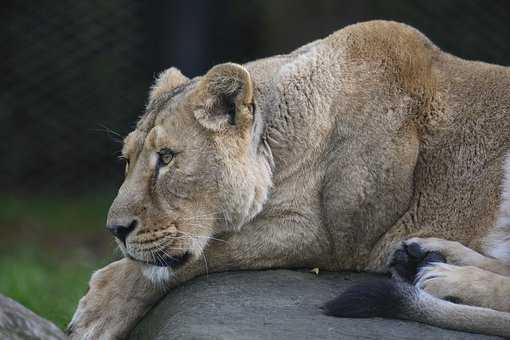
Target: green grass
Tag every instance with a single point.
(49, 248)
(46, 285)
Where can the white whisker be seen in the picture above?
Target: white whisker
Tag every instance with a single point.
(201, 236)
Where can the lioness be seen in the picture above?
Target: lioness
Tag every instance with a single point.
(327, 157)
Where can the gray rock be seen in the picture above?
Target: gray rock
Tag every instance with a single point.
(19, 323)
(276, 304)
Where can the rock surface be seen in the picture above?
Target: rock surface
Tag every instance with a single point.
(276, 304)
(19, 323)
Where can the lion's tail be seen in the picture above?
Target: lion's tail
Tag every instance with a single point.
(399, 300)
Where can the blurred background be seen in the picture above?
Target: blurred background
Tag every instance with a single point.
(75, 79)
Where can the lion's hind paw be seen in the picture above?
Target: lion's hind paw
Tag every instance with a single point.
(408, 259)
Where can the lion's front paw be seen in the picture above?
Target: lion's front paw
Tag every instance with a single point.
(86, 322)
(117, 298)
(90, 320)
(454, 252)
(466, 285)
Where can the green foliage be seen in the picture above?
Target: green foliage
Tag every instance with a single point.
(49, 248)
(56, 213)
(47, 285)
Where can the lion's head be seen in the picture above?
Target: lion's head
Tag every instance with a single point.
(194, 167)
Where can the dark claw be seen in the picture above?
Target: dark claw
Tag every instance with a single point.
(432, 256)
(407, 260)
(399, 256)
(453, 299)
(415, 251)
(403, 265)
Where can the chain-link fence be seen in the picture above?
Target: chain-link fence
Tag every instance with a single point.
(76, 73)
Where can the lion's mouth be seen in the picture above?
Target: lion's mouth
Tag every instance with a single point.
(173, 262)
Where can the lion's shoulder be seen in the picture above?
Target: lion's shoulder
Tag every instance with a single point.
(399, 51)
(383, 39)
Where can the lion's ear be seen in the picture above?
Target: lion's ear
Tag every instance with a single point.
(226, 93)
(167, 81)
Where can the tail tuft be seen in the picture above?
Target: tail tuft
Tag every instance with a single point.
(379, 297)
(399, 300)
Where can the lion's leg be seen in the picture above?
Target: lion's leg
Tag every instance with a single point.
(120, 294)
(467, 285)
(462, 279)
(117, 297)
(457, 254)
(283, 243)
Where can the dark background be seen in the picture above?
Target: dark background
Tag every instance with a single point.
(74, 77)
(76, 73)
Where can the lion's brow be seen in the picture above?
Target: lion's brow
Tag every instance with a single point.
(147, 120)
(131, 144)
(160, 102)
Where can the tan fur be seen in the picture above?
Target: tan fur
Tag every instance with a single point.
(327, 157)
(399, 53)
(467, 284)
(469, 276)
(167, 81)
(460, 255)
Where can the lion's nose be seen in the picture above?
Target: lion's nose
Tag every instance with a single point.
(121, 231)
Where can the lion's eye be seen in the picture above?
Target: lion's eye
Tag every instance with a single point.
(165, 156)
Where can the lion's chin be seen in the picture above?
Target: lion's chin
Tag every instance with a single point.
(172, 262)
